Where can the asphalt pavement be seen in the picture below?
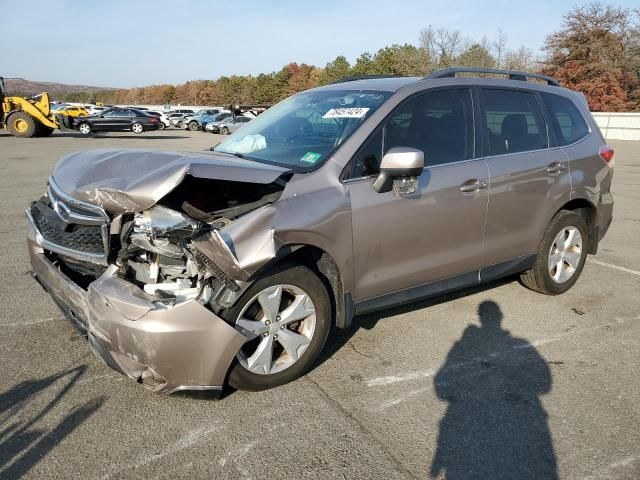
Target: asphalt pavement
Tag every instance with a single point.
(550, 383)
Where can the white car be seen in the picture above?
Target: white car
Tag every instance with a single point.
(94, 110)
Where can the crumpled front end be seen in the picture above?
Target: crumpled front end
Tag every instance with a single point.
(134, 285)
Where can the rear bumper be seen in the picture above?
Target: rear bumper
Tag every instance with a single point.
(164, 348)
(604, 214)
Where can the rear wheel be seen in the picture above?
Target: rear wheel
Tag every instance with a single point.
(21, 124)
(287, 317)
(137, 128)
(84, 128)
(561, 255)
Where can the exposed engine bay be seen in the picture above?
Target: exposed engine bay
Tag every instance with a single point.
(158, 254)
(154, 249)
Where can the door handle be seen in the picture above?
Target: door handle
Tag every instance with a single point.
(473, 185)
(556, 167)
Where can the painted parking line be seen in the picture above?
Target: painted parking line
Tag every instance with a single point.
(615, 267)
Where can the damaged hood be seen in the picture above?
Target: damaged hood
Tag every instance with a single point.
(132, 180)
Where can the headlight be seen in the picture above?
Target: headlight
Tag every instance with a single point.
(159, 221)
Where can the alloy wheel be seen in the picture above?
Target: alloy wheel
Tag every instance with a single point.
(280, 322)
(565, 254)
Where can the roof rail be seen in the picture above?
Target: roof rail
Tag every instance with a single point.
(511, 74)
(363, 77)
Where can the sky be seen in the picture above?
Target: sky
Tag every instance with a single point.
(127, 43)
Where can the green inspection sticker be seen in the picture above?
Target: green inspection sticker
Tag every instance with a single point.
(310, 157)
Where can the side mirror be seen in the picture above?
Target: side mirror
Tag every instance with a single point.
(398, 162)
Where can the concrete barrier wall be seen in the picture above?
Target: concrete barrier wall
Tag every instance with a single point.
(619, 126)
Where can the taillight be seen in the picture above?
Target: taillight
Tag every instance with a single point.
(608, 155)
(153, 120)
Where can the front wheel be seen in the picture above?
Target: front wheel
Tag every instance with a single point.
(84, 128)
(137, 128)
(21, 124)
(561, 255)
(286, 316)
(193, 126)
(224, 131)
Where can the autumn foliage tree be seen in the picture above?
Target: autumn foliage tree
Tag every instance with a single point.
(597, 52)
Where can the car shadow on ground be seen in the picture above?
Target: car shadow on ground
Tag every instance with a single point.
(495, 425)
(25, 440)
(339, 338)
(130, 136)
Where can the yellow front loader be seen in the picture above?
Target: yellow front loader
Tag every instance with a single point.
(26, 117)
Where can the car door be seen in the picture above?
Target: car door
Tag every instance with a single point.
(105, 120)
(404, 244)
(527, 177)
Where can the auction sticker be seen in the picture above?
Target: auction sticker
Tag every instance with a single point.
(310, 157)
(346, 113)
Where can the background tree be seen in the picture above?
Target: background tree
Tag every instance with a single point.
(596, 52)
(476, 55)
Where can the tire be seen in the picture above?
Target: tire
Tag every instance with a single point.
(21, 124)
(46, 131)
(85, 128)
(306, 336)
(224, 131)
(137, 128)
(160, 126)
(543, 277)
(193, 126)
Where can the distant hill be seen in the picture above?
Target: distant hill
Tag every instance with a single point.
(21, 86)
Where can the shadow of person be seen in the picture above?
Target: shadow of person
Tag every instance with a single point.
(495, 426)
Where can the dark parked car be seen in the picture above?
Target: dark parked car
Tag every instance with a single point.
(189, 270)
(118, 120)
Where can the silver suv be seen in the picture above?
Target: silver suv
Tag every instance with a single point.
(188, 270)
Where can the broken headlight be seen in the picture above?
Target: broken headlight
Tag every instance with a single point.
(160, 221)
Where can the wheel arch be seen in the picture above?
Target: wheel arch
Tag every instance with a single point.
(323, 265)
(587, 210)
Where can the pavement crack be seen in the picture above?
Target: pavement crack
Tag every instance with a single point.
(363, 429)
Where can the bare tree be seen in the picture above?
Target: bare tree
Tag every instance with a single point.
(441, 46)
(520, 59)
(499, 47)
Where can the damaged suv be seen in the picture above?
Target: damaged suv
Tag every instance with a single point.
(190, 270)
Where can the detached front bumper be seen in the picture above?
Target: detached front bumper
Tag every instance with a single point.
(165, 348)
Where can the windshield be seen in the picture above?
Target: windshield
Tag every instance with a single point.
(304, 130)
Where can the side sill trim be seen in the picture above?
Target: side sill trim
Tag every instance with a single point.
(503, 269)
(411, 294)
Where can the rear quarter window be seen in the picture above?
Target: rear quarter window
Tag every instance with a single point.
(567, 122)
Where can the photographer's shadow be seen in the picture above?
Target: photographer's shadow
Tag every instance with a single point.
(495, 426)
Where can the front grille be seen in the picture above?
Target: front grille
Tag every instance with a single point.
(82, 238)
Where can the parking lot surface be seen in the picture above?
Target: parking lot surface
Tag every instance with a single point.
(551, 383)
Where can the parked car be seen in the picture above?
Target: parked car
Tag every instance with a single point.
(214, 123)
(199, 122)
(186, 111)
(93, 109)
(72, 111)
(187, 120)
(187, 270)
(118, 120)
(175, 118)
(159, 116)
(228, 125)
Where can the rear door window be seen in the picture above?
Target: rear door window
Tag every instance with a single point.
(567, 122)
(513, 121)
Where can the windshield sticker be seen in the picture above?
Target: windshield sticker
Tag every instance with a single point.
(346, 113)
(310, 157)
